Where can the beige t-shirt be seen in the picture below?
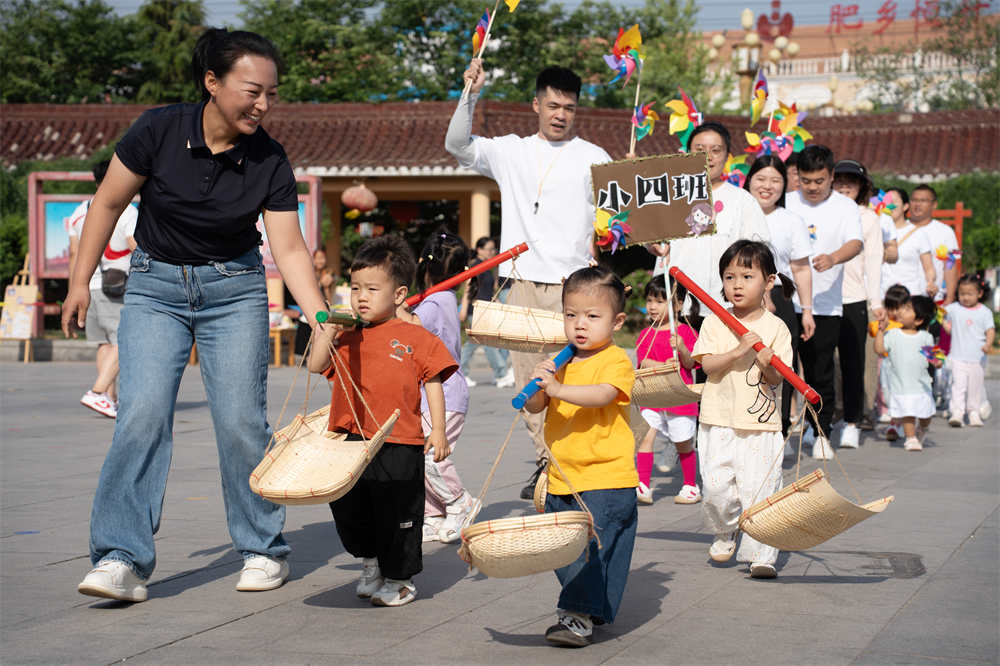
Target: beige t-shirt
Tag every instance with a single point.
(739, 397)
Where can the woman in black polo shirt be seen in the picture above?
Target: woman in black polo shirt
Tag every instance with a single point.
(205, 172)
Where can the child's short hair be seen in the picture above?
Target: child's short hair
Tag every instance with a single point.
(390, 253)
(597, 279)
(754, 254)
(978, 281)
(657, 286)
(895, 296)
(444, 256)
(924, 309)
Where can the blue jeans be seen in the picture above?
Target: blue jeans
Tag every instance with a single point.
(594, 585)
(223, 308)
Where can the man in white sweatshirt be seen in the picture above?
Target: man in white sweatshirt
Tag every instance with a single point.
(546, 200)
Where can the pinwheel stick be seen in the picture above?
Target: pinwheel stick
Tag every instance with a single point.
(638, 86)
(482, 47)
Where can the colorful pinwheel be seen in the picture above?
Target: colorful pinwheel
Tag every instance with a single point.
(770, 143)
(684, 118)
(611, 229)
(932, 353)
(949, 258)
(627, 54)
(735, 170)
(644, 119)
(939, 314)
(880, 203)
(479, 36)
(759, 97)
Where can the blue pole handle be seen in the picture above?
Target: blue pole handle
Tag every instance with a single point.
(560, 359)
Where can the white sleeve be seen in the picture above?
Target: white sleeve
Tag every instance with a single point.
(888, 229)
(852, 228)
(952, 241)
(923, 242)
(458, 140)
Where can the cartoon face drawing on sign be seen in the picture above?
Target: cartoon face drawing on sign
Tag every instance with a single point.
(700, 219)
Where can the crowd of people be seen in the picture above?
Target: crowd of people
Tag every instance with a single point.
(798, 256)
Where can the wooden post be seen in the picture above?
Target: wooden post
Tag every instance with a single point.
(480, 214)
(333, 247)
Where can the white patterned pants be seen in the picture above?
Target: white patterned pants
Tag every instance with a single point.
(735, 465)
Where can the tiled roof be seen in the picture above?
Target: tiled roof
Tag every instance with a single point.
(407, 138)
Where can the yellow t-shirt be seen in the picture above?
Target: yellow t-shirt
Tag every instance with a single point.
(739, 397)
(594, 446)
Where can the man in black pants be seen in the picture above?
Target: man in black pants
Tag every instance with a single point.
(836, 233)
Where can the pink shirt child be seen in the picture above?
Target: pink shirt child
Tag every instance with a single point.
(655, 345)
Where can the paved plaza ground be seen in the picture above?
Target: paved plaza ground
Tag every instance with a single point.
(915, 585)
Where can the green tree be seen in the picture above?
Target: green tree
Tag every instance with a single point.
(56, 51)
(168, 31)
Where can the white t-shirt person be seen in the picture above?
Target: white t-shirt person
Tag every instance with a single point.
(789, 238)
(117, 254)
(559, 233)
(940, 234)
(740, 217)
(908, 269)
(834, 222)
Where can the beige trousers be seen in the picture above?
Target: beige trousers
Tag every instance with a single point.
(538, 296)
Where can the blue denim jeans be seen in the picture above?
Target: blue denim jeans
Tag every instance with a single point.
(223, 308)
(594, 584)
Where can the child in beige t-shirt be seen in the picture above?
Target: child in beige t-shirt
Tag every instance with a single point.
(739, 439)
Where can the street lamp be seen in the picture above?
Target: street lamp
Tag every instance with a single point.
(747, 54)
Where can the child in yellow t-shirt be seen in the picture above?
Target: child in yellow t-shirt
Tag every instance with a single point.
(739, 439)
(588, 432)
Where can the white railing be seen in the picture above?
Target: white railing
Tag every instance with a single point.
(846, 63)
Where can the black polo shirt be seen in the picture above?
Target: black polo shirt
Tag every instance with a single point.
(197, 207)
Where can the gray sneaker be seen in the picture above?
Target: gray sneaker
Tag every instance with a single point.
(668, 460)
(371, 580)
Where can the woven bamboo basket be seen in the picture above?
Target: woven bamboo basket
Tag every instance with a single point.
(663, 386)
(805, 514)
(309, 465)
(513, 547)
(541, 493)
(516, 328)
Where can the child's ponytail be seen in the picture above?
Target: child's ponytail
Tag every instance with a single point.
(444, 256)
(787, 286)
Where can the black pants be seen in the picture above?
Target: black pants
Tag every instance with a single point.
(785, 311)
(853, 329)
(817, 365)
(383, 514)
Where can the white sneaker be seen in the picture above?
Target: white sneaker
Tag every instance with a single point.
(572, 630)
(507, 381)
(395, 593)
(100, 402)
(892, 433)
(975, 419)
(113, 580)
(371, 579)
(431, 526)
(760, 570)
(850, 435)
(885, 418)
(668, 460)
(723, 546)
(450, 529)
(985, 409)
(470, 382)
(644, 493)
(913, 444)
(809, 437)
(955, 421)
(262, 573)
(822, 449)
(688, 495)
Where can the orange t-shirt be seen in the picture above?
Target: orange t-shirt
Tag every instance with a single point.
(388, 362)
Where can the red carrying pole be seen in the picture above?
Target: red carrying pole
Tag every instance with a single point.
(465, 275)
(740, 330)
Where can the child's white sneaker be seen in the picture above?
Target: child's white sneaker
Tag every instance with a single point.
(892, 433)
(955, 421)
(668, 459)
(913, 444)
(644, 493)
(101, 403)
(975, 419)
(450, 529)
(723, 546)
(985, 409)
(431, 526)
(688, 495)
(885, 418)
(395, 593)
(371, 579)
(760, 570)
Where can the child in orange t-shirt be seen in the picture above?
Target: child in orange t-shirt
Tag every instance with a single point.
(380, 519)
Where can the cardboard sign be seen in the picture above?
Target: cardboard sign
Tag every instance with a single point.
(667, 197)
(18, 312)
